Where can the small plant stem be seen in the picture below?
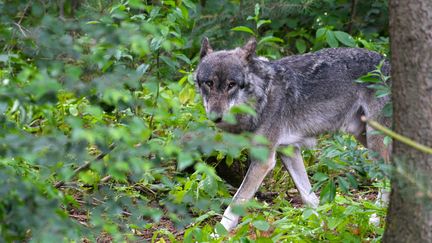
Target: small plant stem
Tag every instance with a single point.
(157, 92)
(400, 138)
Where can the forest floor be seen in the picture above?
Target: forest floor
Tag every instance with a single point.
(165, 224)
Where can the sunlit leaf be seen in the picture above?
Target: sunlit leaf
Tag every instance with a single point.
(261, 225)
(331, 39)
(300, 45)
(243, 29)
(345, 38)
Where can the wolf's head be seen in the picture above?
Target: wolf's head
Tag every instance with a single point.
(223, 78)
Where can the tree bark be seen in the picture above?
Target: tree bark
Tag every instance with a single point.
(409, 217)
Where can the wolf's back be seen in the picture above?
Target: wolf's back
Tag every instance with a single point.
(346, 63)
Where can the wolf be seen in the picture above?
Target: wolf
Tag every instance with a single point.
(295, 99)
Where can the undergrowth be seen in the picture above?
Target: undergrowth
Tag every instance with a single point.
(103, 136)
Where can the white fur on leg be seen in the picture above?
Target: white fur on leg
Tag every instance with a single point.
(255, 175)
(382, 199)
(297, 170)
(229, 219)
(310, 199)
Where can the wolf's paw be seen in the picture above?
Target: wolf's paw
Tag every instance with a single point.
(374, 220)
(311, 200)
(214, 235)
(229, 219)
(228, 223)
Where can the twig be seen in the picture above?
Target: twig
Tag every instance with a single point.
(86, 166)
(21, 29)
(6, 48)
(24, 12)
(105, 179)
(398, 137)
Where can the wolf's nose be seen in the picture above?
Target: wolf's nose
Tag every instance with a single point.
(217, 119)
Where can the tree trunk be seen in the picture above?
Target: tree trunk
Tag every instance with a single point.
(410, 211)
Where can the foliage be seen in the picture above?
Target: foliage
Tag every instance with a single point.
(297, 23)
(345, 165)
(378, 81)
(343, 220)
(100, 119)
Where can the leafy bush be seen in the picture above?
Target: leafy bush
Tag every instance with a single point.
(100, 117)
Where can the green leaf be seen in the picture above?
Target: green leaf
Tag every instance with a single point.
(43, 85)
(93, 22)
(220, 229)
(244, 29)
(169, 61)
(186, 94)
(352, 180)
(243, 109)
(262, 22)
(229, 118)
(333, 222)
(260, 139)
(183, 58)
(388, 110)
(328, 192)
(345, 38)
(239, 209)
(264, 239)
(73, 110)
(261, 225)
(343, 184)
(260, 153)
(369, 78)
(287, 150)
(270, 39)
(229, 160)
(184, 160)
(320, 177)
(321, 32)
(307, 213)
(387, 140)
(331, 40)
(89, 177)
(257, 9)
(300, 45)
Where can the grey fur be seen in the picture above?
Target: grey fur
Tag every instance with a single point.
(296, 99)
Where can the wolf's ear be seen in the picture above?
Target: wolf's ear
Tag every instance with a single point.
(205, 48)
(249, 49)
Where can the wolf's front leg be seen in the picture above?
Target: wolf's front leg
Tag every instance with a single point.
(295, 166)
(255, 175)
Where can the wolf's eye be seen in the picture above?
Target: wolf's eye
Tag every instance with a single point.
(209, 83)
(231, 85)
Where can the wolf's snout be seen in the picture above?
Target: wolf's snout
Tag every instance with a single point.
(215, 114)
(217, 119)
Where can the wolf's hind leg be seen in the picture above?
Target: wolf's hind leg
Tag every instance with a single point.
(255, 175)
(378, 150)
(297, 170)
(375, 141)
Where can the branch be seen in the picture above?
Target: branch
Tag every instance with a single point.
(400, 138)
(87, 165)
